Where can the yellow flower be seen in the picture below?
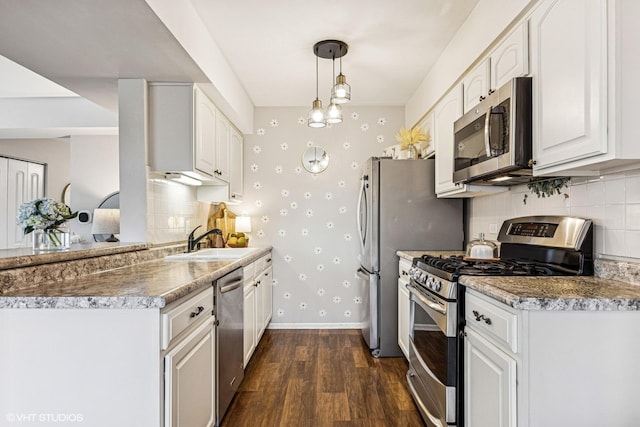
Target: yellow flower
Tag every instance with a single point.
(406, 138)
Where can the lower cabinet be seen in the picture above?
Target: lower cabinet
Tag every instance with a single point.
(490, 383)
(258, 303)
(403, 307)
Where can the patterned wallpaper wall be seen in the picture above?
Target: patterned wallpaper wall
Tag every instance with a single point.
(310, 220)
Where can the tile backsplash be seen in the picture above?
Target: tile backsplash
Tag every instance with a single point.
(611, 201)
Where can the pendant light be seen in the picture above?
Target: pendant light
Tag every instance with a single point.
(330, 49)
(316, 115)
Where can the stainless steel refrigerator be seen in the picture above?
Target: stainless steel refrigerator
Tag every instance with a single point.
(398, 210)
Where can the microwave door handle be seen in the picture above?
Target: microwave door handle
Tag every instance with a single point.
(487, 131)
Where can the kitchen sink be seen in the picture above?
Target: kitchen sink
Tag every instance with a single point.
(212, 254)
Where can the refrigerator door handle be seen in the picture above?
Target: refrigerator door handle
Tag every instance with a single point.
(362, 274)
(359, 213)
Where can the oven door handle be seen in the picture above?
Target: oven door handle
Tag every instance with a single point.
(432, 305)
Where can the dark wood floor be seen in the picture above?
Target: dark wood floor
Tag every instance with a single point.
(320, 378)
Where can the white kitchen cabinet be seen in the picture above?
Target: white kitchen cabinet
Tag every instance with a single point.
(510, 58)
(258, 303)
(4, 212)
(182, 131)
(539, 367)
(266, 285)
(236, 165)
(404, 324)
(24, 182)
(249, 311)
(189, 382)
(223, 135)
(475, 85)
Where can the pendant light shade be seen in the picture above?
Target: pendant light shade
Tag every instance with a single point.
(340, 92)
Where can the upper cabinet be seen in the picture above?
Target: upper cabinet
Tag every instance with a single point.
(223, 135)
(507, 60)
(236, 161)
(584, 64)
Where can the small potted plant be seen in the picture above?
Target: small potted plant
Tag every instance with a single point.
(408, 140)
(46, 218)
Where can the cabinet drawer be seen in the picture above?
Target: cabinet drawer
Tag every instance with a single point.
(403, 269)
(494, 322)
(177, 319)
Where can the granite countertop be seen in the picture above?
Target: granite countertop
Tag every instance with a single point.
(586, 293)
(151, 284)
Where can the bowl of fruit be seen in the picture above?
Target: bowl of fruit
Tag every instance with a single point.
(237, 240)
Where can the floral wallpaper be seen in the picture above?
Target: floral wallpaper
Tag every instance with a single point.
(310, 219)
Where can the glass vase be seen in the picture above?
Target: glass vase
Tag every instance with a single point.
(51, 240)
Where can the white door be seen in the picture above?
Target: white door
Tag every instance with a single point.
(17, 194)
(189, 380)
(569, 69)
(475, 85)
(510, 58)
(404, 305)
(4, 213)
(448, 110)
(249, 331)
(267, 298)
(205, 133)
(223, 130)
(489, 384)
(236, 179)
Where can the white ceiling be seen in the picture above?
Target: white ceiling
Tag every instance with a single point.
(85, 46)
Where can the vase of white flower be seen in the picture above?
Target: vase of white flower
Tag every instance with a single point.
(46, 218)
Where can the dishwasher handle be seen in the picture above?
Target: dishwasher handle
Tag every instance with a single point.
(231, 286)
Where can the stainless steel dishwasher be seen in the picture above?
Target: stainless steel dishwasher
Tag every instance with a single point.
(228, 308)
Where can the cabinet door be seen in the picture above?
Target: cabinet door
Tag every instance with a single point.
(223, 132)
(259, 312)
(569, 69)
(4, 212)
(475, 85)
(249, 333)
(403, 316)
(205, 135)
(17, 194)
(236, 179)
(267, 298)
(189, 383)
(510, 58)
(448, 110)
(489, 384)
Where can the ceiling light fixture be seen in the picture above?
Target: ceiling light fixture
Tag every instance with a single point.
(340, 93)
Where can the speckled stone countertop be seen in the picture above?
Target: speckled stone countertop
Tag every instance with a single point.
(410, 255)
(151, 284)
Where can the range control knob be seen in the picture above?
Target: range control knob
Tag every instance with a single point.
(437, 285)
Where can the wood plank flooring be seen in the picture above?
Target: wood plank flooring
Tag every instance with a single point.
(319, 378)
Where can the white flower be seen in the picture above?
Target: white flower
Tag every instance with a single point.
(328, 196)
(330, 225)
(302, 277)
(258, 203)
(257, 149)
(357, 300)
(380, 139)
(342, 210)
(321, 291)
(294, 205)
(273, 123)
(286, 295)
(307, 195)
(282, 232)
(257, 185)
(336, 260)
(265, 219)
(298, 169)
(342, 184)
(317, 250)
(364, 127)
(322, 313)
(347, 313)
(355, 115)
(302, 120)
(284, 146)
(280, 312)
(310, 144)
(461, 146)
(304, 232)
(346, 284)
(382, 121)
(260, 233)
(284, 193)
(284, 212)
(355, 165)
(336, 299)
(260, 132)
(43, 214)
(287, 258)
(278, 169)
(302, 305)
(309, 213)
(320, 267)
(346, 145)
(275, 282)
(253, 167)
(347, 237)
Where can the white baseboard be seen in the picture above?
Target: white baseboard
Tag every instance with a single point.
(355, 325)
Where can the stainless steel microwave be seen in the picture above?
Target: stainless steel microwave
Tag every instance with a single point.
(493, 141)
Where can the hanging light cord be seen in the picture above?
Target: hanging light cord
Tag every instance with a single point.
(317, 75)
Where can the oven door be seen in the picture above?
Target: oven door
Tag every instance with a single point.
(433, 356)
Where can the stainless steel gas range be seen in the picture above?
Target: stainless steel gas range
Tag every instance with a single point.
(529, 246)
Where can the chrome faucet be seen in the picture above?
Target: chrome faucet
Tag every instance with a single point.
(193, 243)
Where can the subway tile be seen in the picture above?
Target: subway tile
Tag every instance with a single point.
(614, 217)
(614, 191)
(595, 193)
(615, 242)
(633, 189)
(633, 244)
(633, 216)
